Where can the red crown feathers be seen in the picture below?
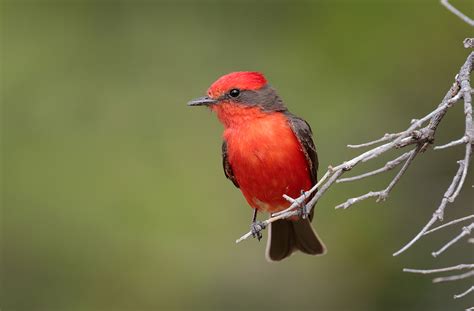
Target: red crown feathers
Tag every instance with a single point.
(242, 80)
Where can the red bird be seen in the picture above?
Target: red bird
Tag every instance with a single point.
(267, 152)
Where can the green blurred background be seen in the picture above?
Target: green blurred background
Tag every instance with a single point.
(113, 195)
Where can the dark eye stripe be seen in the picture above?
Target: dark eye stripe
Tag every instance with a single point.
(265, 98)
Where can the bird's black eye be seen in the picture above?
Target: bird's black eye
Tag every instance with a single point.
(234, 92)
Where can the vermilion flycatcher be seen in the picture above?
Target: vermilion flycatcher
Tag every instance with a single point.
(267, 152)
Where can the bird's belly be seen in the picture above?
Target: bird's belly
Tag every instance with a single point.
(268, 164)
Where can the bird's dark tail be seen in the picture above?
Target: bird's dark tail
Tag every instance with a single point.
(286, 236)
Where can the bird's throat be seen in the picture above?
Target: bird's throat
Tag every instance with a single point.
(233, 115)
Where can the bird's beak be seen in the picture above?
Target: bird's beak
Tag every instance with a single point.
(202, 101)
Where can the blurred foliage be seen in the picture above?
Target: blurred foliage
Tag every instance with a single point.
(113, 195)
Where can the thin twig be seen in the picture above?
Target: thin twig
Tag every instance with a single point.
(454, 277)
(382, 195)
(465, 231)
(449, 224)
(437, 215)
(458, 13)
(452, 268)
(386, 137)
(387, 167)
(298, 201)
(460, 141)
(464, 293)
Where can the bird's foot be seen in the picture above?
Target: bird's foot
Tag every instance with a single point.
(303, 210)
(256, 227)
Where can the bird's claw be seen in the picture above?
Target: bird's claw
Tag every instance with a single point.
(303, 210)
(256, 228)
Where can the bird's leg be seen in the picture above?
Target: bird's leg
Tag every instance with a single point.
(256, 226)
(304, 210)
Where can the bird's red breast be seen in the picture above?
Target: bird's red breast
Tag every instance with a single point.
(265, 155)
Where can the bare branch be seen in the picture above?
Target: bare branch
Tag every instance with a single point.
(460, 141)
(388, 166)
(449, 224)
(295, 203)
(438, 214)
(459, 178)
(448, 278)
(386, 137)
(323, 189)
(464, 293)
(458, 13)
(429, 271)
(352, 201)
(454, 277)
(382, 195)
(465, 231)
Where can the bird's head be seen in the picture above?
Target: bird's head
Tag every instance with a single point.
(238, 95)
